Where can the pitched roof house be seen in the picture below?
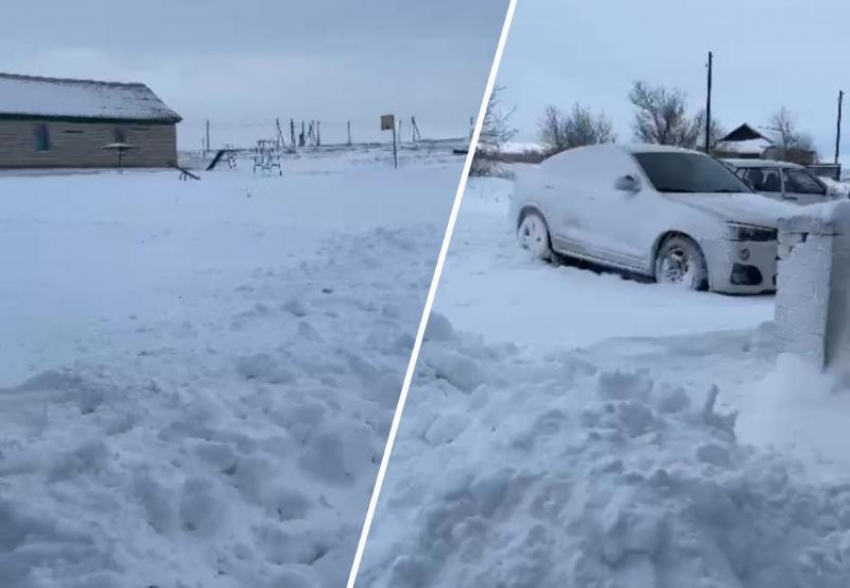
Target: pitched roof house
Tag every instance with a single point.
(747, 143)
(743, 142)
(52, 122)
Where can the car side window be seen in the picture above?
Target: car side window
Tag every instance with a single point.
(764, 179)
(801, 182)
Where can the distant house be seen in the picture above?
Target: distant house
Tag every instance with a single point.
(747, 143)
(53, 123)
(743, 143)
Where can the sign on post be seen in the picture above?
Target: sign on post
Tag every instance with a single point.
(388, 124)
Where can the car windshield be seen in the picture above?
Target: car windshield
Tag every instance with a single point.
(688, 172)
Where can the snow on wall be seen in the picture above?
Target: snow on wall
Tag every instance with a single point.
(812, 304)
(33, 96)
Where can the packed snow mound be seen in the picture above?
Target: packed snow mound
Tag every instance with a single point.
(237, 447)
(604, 478)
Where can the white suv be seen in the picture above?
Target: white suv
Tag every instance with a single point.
(676, 215)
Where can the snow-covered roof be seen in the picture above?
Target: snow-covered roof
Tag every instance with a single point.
(743, 133)
(520, 147)
(28, 96)
(749, 146)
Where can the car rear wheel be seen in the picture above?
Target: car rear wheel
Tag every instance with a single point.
(533, 236)
(680, 261)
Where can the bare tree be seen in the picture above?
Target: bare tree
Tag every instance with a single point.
(496, 129)
(716, 132)
(495, 132)
(559, 131)
(792, 144)
(784, 127)
(661, 116)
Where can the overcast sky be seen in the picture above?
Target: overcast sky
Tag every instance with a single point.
(766, 53)
(241, 63)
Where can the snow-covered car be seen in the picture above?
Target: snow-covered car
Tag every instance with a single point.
(782, 180)
(675, 215)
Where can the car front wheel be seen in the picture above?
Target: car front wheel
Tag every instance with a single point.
(680, 261)
(533, 236)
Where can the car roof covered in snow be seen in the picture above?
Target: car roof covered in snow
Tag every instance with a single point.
(650, 148)
(633, 148)
(39, 97)
(762, 163)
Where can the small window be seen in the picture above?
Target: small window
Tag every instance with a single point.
(120, 135)
(42, 137)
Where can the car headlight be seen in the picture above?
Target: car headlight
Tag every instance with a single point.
(745, 232)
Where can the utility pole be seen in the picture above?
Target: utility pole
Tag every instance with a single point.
(395, 148)
(292, 132)
(280, 141)
(708, 105)
(415, 135)
(349, 133)
(208, 137)
(318, 133)
(838, 126)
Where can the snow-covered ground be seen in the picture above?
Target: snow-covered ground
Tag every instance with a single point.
(569, 428)
(489, 287)
(197, 378)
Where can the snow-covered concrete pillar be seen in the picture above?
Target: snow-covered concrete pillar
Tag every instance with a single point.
(813, 286)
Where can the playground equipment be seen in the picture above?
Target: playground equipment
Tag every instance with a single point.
(185, 174)
(227, 155)
(267, 156)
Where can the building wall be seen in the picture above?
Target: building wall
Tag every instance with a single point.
(80, 144)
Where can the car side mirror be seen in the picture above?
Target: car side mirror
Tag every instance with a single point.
(628, 183)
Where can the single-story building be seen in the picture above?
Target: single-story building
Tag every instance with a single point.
(63, 123)
(745, 142)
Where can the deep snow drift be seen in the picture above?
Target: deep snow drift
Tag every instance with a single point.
(556, 472)
(525, 462)
(198, 377)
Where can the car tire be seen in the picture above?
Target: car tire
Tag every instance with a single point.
(680, 261)
(533, 236)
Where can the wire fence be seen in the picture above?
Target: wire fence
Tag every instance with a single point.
(196, 134)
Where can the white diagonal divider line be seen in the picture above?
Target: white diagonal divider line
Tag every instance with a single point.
(429, 301)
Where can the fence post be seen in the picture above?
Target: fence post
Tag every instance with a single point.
(812, 312)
